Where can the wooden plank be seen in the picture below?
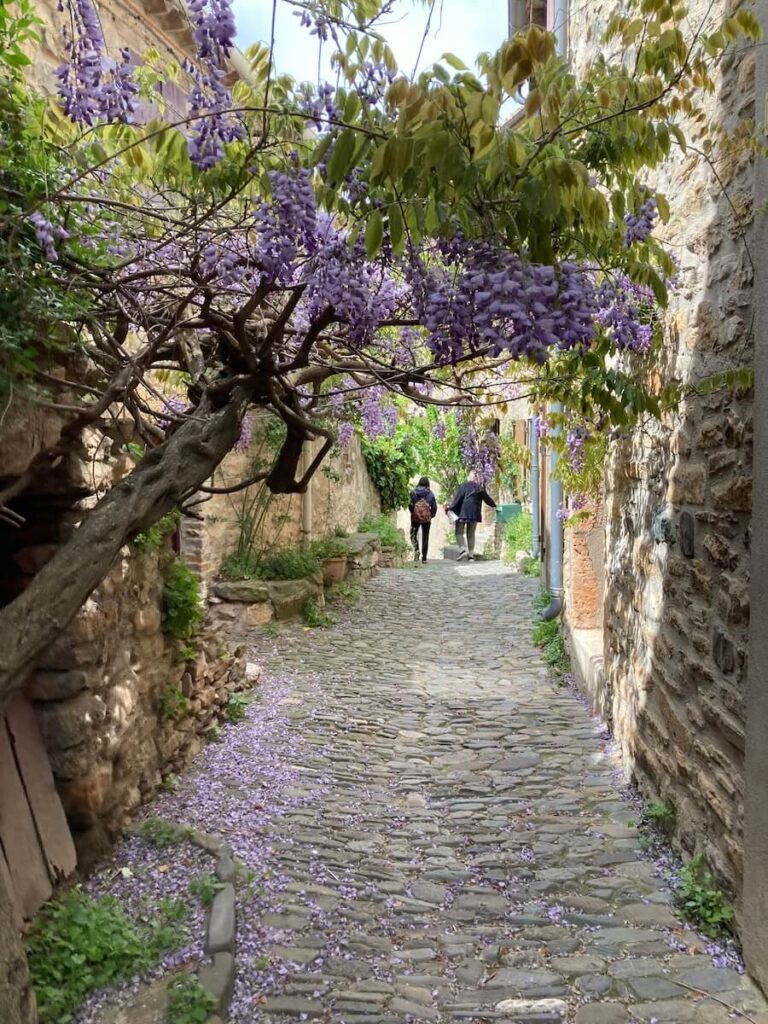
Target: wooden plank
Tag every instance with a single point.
(37, 777)
(5, 881)
(26, 864)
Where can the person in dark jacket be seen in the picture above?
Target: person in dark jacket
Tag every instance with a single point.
(423, 509)
(468, 505)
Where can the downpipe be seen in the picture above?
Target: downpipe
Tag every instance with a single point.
(559, 13)
(555, 547)
(533, 445)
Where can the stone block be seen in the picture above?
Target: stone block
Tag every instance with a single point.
(148, 619)
(734, 495)
(220, 933)
(218, 977)
(69, 723)
(288, 597)
(56, 685)
(257, 615)
(245, 591)
(687, 484)
(687, 534)
(84, 799)
(724, 652)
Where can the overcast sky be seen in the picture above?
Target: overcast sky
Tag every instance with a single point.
(466, 28)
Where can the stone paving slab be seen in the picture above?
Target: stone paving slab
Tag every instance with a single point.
(450, 843)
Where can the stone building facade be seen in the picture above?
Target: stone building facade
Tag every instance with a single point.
(661, 638)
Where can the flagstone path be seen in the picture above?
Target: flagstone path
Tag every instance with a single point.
(436, 831)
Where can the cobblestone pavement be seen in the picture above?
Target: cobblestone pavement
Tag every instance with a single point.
(452, 844)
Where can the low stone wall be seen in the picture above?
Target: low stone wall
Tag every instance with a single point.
(236, 606)
(117, 707)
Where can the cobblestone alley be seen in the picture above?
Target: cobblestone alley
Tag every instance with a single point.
(435, 830)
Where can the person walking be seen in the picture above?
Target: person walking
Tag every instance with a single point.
(423, 509)
(467, 506)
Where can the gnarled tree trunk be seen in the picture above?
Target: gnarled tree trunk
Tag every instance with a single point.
(164, 477)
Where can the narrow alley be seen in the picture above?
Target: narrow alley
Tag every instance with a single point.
(434, 830)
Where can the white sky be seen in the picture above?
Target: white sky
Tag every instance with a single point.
(465, 28)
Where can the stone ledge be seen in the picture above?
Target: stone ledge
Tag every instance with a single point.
(586, 649)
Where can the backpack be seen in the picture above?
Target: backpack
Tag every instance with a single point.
(422, 513)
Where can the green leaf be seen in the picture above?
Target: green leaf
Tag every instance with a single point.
(453, 61)
(374, 233)
(396, 228)
(341, 157)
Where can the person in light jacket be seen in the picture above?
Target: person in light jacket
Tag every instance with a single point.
(468, 506)
(423, 509)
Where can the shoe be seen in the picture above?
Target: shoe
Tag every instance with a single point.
(424, 561)
(416, 556)
(471, 558)
(461, 554)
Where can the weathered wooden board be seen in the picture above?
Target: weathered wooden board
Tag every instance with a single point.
(26, 864)
(37, 777)
(5, 878)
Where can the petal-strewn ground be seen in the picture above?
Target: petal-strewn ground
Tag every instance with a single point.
(435, 829)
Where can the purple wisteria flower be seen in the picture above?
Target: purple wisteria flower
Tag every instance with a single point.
(639, 226)
(93, 86)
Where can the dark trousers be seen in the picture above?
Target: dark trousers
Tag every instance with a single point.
(424, 527)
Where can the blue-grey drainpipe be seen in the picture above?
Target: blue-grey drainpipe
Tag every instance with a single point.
(555, 546)
(533, 443)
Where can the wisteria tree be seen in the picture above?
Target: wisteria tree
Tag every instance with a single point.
(295, 247)
(301, 248)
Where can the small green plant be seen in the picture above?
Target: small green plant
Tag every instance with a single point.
(204, 888)
(703, 904)
(659, 813)
(172, 704)
(79, 944)
(315, 617)
(541, 600)
(181, 602)
(153, 538)
(328, 547)
(262, 963)
(544, 632)
(188, 1002)
(339, 531)
(187, 653)
(517, 535)
(290, 564)
(532, 567)
(135, 450)
(213, 733)
(163, 833)
(548, 637)
(386, 531)
(239, 567)
(243, 875)
(170, 783)
(237, 705)
(343, 593)
(280, 564)
(272, 628)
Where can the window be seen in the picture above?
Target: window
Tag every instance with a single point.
(523, 13)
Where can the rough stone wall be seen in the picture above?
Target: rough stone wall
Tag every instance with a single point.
(339, 497)
(118, 708)
(135, 24)
(678, 501)
(104, 692)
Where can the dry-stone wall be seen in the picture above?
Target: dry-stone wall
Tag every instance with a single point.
(678, 504)
(118, 708)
